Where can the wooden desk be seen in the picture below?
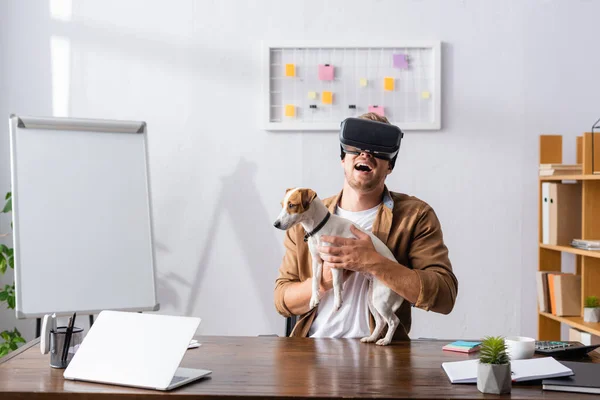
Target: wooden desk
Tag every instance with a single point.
(271, 367)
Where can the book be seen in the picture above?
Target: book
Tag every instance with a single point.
(560, 169)
(584, 380)
(522, 370)
(586, 244)
(462, 346)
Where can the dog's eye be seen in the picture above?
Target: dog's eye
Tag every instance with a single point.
(291, 205)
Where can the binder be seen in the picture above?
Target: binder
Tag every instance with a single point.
(546, 213)
(561, 213)
(567, 293)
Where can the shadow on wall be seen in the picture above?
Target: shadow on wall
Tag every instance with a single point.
(254, 233)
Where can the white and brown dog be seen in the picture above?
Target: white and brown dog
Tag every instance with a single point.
(302, 205)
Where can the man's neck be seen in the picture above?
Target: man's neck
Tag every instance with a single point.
(353, 200)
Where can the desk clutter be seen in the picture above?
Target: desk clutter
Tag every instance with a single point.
(503, 361)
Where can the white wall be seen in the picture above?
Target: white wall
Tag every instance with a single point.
(512, 70)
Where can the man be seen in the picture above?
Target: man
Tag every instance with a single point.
(409, 227)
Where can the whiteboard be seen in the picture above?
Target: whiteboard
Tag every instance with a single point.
(316, 86)
(82, 215)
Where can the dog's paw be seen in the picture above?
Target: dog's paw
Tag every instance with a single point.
(383, 342)
(314, 301)
(337, 304)
(367, 339)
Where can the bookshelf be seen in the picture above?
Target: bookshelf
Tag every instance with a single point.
(587, 262)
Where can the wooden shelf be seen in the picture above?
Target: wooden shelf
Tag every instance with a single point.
(576, 322)
(570, 177)
(572, 250)
(587, 262)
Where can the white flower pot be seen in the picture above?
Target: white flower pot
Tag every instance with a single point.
(494, 378)
(591, 314)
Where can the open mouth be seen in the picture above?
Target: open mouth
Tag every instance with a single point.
(363, 167)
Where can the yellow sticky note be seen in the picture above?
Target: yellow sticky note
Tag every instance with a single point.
(388, 83)
(290, 70)
(425, 95)
(290, 110)
(363, 82)
(327, 97)
(312, 95)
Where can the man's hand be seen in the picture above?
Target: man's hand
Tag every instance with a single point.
(351, 254)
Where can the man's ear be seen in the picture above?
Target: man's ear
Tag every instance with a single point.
(308, 195)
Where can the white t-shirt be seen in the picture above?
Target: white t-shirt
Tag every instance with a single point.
(352, 319)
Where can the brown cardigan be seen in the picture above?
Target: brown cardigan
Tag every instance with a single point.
(411, 230)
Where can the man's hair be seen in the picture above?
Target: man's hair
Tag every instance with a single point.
(378, 118)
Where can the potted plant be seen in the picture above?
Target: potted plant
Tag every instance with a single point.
(591, 309)
(11, 338)
(493, 369)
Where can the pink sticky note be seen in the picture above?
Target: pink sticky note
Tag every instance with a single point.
(326, 72)
(377, 110)
(400, 61)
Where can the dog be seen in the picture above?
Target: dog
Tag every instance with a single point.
(302, 206)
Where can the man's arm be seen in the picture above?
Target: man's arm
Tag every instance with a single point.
(430, 285)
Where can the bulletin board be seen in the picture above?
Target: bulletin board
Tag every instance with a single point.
(315, 87)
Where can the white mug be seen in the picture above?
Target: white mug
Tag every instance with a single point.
(519, 347)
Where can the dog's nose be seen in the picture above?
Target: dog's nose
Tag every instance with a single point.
(277, 224)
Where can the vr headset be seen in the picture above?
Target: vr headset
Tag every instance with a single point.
(379, 139)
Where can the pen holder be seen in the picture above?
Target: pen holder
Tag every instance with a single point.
(58, 338)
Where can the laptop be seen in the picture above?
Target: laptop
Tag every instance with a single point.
(137, 350)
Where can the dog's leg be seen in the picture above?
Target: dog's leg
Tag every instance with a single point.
(317, 267)
(338, 284)
(379, 323)
(387, 303)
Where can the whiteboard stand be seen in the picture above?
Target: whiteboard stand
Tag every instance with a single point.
(401, 79)
(82, 216)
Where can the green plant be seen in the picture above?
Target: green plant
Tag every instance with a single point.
(7, 294)
(493, 351)
(592, 302)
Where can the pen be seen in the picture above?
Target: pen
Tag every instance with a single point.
(67, 343)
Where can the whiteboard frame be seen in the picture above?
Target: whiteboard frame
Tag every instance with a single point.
(74, 124)
(434, 45)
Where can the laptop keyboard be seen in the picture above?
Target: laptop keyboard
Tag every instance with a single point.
(177, 379)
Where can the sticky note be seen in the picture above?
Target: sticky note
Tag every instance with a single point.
(400, 61)
(327, 97)
(363, 82)
(290, 70)
(290, 110)
(425, 95)
(377, 110)
(388, 83)
(326, 72)
(312, 95)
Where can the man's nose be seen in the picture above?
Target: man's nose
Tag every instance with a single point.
(366, 154)
(277, 224)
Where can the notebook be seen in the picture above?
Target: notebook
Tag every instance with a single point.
(585, 380)
(522, 370)
(462, 346)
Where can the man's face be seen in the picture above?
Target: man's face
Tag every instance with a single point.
(365, 172)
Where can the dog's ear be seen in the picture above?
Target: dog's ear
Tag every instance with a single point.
(286, 192)
(308, 195)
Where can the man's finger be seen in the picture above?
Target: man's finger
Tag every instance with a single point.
(330, 250)
(357, 232)
(331, 259)
(337, 240)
